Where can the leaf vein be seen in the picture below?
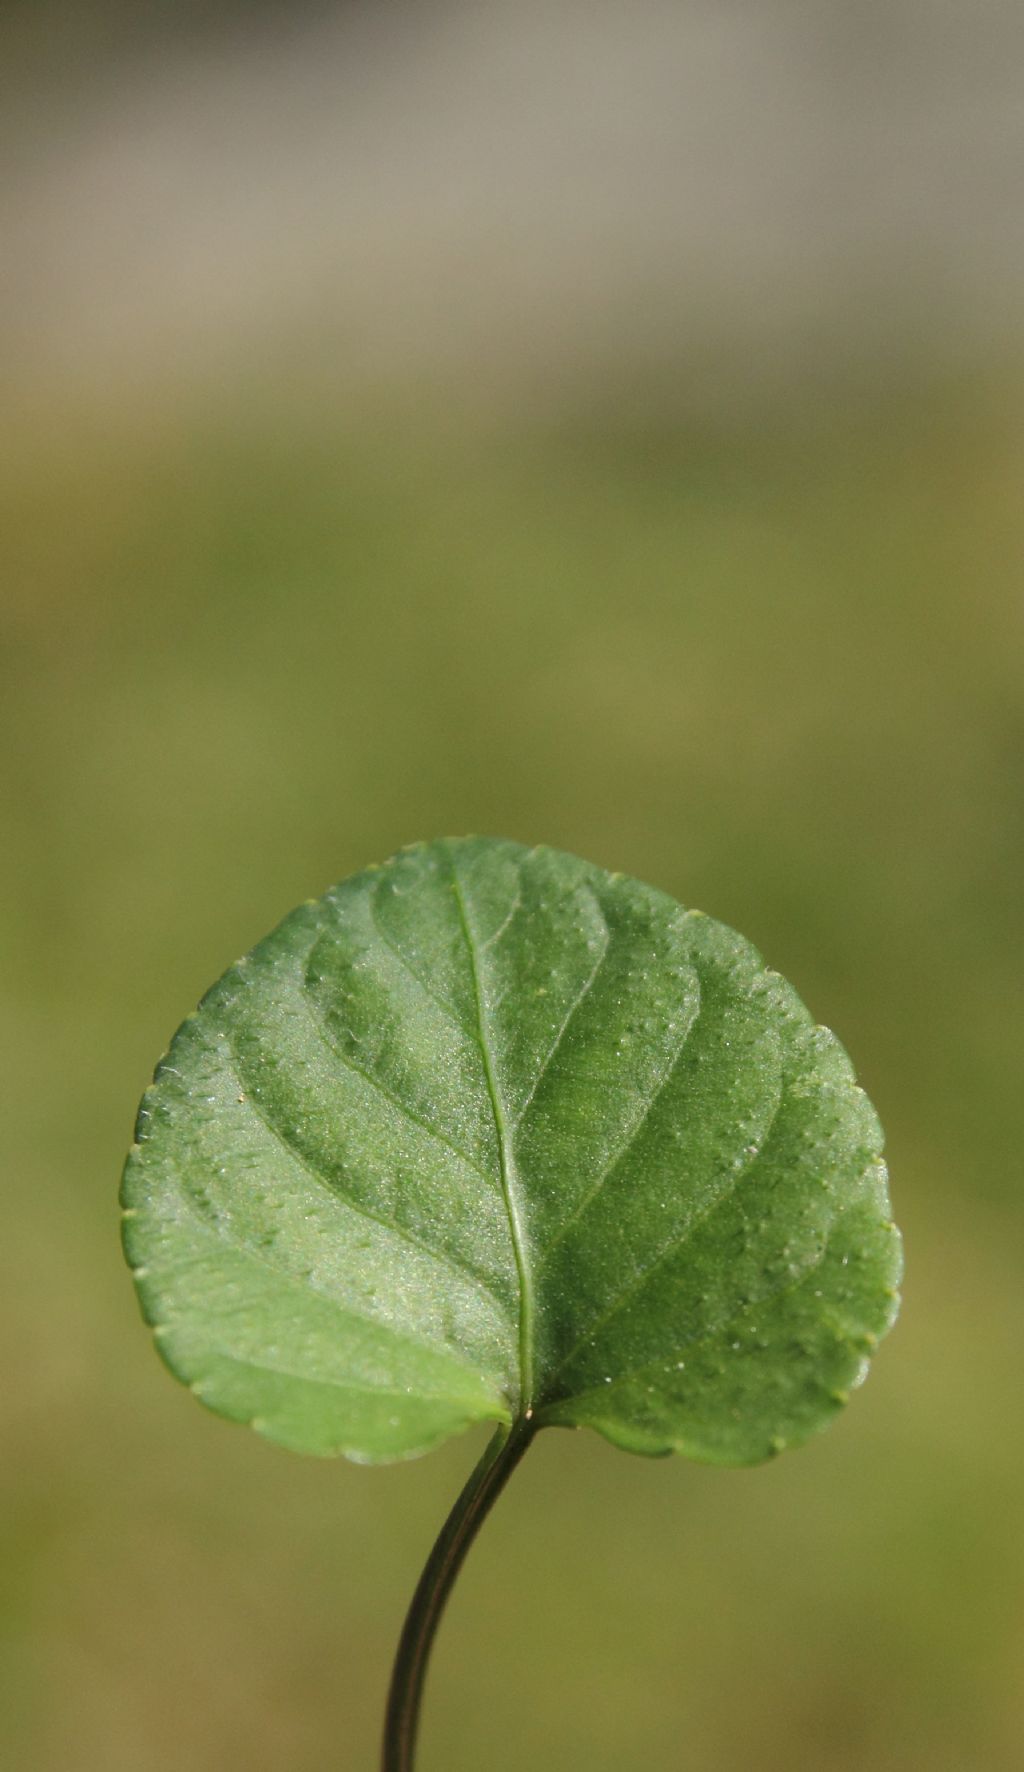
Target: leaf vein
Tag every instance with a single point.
(677, 1243)
(633, 1134)
(512, 1204)
(283, 1277)
(516, 905)
(345, 1384)
(774, 1296)
(407, 967)
(576, 1003)
(322, 1029)
(293, 1149)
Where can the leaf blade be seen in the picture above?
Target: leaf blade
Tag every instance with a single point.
(488, 1130)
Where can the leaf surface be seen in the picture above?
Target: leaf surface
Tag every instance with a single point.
(488, 1131)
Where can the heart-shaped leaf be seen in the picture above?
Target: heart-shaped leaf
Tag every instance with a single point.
(489, 1134)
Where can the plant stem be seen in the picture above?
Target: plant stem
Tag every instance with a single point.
(435, 1584)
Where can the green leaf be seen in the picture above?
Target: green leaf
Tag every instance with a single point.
(489, 1134)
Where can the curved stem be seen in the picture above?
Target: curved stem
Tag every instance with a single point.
(435, 1584)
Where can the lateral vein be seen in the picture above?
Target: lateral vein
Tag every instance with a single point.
(289, 1145)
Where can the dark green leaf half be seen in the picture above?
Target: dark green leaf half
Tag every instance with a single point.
(488, 1131)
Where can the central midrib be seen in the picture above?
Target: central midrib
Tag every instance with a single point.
(509, 1180)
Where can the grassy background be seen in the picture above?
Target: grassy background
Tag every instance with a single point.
(772, 664)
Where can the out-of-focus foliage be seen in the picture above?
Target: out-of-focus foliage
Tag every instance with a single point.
(773, 667)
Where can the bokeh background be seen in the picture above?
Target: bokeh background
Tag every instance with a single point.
(591, 423)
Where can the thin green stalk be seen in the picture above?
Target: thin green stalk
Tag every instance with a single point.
(435, 1584)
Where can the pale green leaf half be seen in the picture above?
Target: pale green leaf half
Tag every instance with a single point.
(487, 1130)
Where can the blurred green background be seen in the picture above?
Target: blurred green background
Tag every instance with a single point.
(714, 576)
